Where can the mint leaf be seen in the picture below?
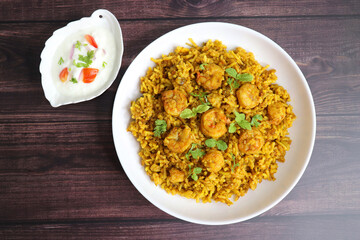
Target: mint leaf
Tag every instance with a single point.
(232, 128)
(197, 170)
(201, 108)
(239, 117)
(210, 142)
(245, 125)
(244, 77)
(221, 145)
(187, 113)
(232, 72)
(255, 119)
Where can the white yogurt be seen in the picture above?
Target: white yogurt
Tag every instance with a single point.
(103, 60)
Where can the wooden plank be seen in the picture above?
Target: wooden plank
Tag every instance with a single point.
(331, 67)
(260, 228)
(64, 171)
(70, 10)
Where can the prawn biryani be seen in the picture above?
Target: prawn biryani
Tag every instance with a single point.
(211, 123)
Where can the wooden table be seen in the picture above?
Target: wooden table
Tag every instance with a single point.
(60, 176)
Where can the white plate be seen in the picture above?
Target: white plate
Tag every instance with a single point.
(267, 194)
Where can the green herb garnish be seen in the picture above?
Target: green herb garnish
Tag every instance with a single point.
(78, 45)
(255, 119)
(73, 80)
(240, 120)
(243, 77)
(160, 127)
(61, 61)
(220, 144)
(202, 96)
(202, 66)
(194, 172)
(236, 77)
(197, 153)
(234, 164)
(232, 127)
(86, 60)
(104, 64)
(234, 84)
(189, 113)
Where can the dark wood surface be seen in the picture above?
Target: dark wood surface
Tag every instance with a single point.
(59, 173)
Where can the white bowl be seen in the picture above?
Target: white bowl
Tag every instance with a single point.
(268, 193)
(99, 19)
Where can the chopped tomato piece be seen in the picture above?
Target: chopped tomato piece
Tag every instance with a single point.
(89, 74)
(64, 75)
(91, 40)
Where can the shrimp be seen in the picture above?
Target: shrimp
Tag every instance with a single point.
(179, 139)
(213, 161)
(251, 141)
(277, 112)
(176, 175)
(213, 123)
(248, 96)
(211, 77)
(174, 102)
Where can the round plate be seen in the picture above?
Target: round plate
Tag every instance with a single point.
(268, 193)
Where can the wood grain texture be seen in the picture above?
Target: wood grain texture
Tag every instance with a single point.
(335, 227)
(70, 10)
(59, 173)
(331, 67)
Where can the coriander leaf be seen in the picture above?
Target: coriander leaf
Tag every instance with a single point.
(210, 142)
(244, 77)
(78, 45)
(201, 108)
(234, 164)
(73, 80)
(201, 96)
(202, 66)
(194, 177)
(197, 153)
(232, 128)
(160, 127)
(61, 61)
(232, 72)
(85, 59)
(193, 145)
(245, 125)
(104, 64)
(221, 145)
(187, 113)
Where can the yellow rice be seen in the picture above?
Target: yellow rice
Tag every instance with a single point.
(178, 70)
